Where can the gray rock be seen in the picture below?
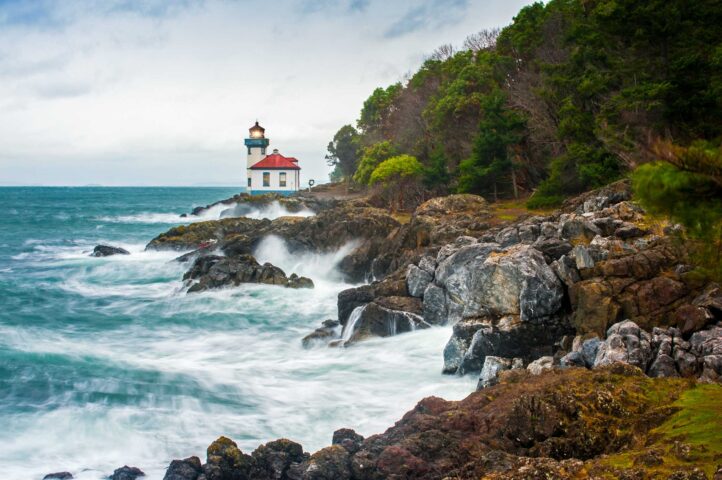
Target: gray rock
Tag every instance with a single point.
(508, 237)
(574, 226)
(378, 321)
(663, 366)
(490, 371)
(330, 330)
(589, 351)
(540, 364)
(528, 233)
(553, 248)
(348, 439)
(428, 264)
(712, 368)
(417, 280)
(625, 343)
(434, 307)
(572, 359)
(582, 257)
(566, 270)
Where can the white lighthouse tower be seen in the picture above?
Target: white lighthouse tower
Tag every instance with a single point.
(256, 144)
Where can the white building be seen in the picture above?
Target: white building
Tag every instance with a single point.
(272, 173)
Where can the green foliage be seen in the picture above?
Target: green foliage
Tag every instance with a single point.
(687, 188)
(396, 169)
(343, 151)
(499, 129)
(371, 158)
(594, 79)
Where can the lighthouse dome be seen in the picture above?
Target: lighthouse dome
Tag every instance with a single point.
(257, 131)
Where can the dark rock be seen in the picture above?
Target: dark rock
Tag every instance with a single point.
(381, 319)
(434, 306)
(553, 248)
(127, 473)
(188, 469)
(58, 476)
(348, 439)
(330, 330)
(589, 351)
(572, 359)
(691, 318)
(663, 366)
(490, 371)
(225, 461)
(330, 463)
(214, 271)
(273, 460)
(628, 231)
(107, 250)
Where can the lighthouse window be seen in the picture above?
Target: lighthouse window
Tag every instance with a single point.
(266, 179)
(249, 181)
(282, 179)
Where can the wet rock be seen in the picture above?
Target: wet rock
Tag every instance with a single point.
(625, 343)
(540, 364)
(348, 439)
(187, 469)
(58, 476)
(379, 320)
(107, 250)
(417, 280)
(330, 330)
(214, 271)
(127, 473)
(295, 281)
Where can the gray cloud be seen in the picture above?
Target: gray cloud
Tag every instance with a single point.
(431, 14)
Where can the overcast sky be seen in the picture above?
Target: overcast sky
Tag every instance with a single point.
(152, 92)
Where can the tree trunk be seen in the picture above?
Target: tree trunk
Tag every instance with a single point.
(513, 184)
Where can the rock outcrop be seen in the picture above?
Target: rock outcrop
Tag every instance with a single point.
(108, 250)
(214, 271)
(561, 424)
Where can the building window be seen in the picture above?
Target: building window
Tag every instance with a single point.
(249, 182)
(282, 179)
(266, 179)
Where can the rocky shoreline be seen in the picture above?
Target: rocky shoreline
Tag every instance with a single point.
(559, 316)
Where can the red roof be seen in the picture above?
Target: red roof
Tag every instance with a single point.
(277, 161)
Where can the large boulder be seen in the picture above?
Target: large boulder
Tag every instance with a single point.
(127, 473)
(482, 279)
(225, 461)
(385, 317)
(187, 469)
(274, 460)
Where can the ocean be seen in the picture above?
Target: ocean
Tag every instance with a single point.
(107, 361)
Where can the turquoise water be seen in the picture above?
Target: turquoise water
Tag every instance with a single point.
(106, 362)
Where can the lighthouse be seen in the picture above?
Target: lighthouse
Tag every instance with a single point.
(272, 173)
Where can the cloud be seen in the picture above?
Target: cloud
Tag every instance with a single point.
(432, 14)
(359, 5)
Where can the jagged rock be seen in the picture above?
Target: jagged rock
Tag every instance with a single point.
(572, 359)
(127, 473)
(417, 280)
(391, 286)
(566, 269)
(187, 469)
(540, 364)
(348, 439)
(663, 366)
(107, 250)
(574, 227)
(481, 279)
(273, 460)
(434, 306)
(582, 258)
(589, 351)
(330, 463)
(630, 230)
(225, 461)
(553, 248)
(493, 366)
(593, 305)
(625, 343)
(58, 476)
(428, 264)
(379, 320)
(329, 330)
(214, 271)
(509, 337)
